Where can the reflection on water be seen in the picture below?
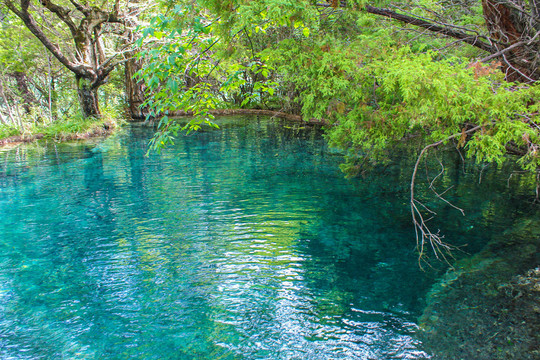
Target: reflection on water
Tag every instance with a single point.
(239, 243)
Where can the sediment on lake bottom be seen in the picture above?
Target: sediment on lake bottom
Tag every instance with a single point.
(487, 306)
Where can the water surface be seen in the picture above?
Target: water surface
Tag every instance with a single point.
(245, 242)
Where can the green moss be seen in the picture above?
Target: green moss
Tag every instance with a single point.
(75, 126)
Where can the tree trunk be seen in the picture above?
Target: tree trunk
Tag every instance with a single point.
(88, 97)
(25, 93)
(514, 29)
(134, 90)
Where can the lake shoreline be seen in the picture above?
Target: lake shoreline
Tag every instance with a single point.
(101, 130)
(106, 128)
(259, 112)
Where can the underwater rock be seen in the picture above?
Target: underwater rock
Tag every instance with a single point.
(488, 305)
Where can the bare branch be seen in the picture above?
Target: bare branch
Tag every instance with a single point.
(440, 196)
(109, 62)
(511, 66)
(82, 9)
(503, 51)
(423, 233)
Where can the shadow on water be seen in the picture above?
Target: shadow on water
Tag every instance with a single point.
(244, 242)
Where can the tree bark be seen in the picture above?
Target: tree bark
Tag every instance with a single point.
(25, 93)
(134, 90)
(512, 27)
(88, 97)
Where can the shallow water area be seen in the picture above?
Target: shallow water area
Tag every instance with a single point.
(244, 242)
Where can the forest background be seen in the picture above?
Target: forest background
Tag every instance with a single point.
(459, 73)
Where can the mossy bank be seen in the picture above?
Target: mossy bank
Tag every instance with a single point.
(71, 129)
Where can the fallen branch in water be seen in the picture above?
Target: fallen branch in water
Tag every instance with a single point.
(424, 235)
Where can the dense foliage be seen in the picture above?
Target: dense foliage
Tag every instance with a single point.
(373, 84)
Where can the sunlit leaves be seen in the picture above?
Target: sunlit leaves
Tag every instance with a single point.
(347, 68)
(418, 92)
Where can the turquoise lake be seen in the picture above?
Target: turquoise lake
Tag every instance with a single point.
(244, 242)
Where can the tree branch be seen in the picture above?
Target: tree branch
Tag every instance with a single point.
(62, 13)
(82, 9)
(423, 233)
(473, 40)
(501, 52)
(31, 24)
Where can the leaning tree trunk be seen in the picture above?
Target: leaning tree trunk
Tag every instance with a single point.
(88, 97)
(514, 28)
(134, 89)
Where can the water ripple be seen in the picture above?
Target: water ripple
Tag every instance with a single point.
(258, 249)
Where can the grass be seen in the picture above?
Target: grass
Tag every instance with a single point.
(65, 129)
(7, 131)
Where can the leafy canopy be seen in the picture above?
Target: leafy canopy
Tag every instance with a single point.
(375, 86)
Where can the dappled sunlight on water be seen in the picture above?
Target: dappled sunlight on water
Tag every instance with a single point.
(244, 242)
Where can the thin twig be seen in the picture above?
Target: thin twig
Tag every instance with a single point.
(422, 231)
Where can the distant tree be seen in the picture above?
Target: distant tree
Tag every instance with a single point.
(100, 34)
(22, 71)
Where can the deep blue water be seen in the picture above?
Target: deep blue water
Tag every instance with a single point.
(245, 242)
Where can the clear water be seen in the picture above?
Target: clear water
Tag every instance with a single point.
(239, 243)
